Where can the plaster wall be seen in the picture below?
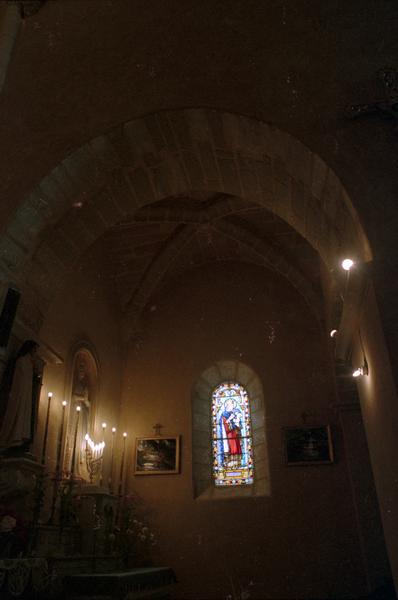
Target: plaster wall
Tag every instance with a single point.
(300, 540)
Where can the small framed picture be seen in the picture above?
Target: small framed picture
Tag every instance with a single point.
(157, 455)
(308, 445)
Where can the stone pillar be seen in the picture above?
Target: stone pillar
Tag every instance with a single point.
(379, 406)
(367, 512)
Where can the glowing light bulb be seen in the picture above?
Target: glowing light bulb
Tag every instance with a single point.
(347, 264)
(78, 408)
(358, 372)
(103, 425)
(333, 333)
(125, 434)
(64, 403)
(50, 394)
(113, 429)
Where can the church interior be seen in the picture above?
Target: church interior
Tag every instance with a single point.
(198, 284)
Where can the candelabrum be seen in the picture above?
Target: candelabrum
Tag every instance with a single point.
(94, 455)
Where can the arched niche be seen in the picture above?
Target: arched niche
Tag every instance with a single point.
(82, 391)
(202, 462)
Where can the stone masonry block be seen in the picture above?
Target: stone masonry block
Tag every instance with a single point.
(142, 186)
(66, 251)
(298, 200)
(199, 126)
(248, 176)
(11, 254)
(83, 166)
(193, 169)
(217, 129)
(106, 207)
(161, 179)
(319, 175)
(227, 369)
(76, 231)
(105, 152)
(155, 132)
(300, 161)
(264, 174)
(58, 190)
(168, 131)
(212, 376)
(202, 391)
(229, 176)
(244, 374)
(200, 422)
(181, 129)
(92, 220)
(209, 164)
(139, 139)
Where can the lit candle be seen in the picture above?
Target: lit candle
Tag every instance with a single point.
(112, 455)
(102, 460)
(43, 452)
(78, 409)
(60, 438)
(58, 463)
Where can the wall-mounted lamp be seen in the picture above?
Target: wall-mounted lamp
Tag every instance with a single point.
(347, 264)
(333, 333)
(360, 371)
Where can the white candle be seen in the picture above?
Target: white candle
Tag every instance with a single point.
(78, 409)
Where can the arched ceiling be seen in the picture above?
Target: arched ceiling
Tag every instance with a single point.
(166, 239)
(186, 171)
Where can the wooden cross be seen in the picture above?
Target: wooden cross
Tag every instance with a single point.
(157, 429)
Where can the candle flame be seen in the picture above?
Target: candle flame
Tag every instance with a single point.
(64, 403)
(125, 434)
(94, 447)
(78, 408)
(50, 394)
(103, 425)
(113, 429)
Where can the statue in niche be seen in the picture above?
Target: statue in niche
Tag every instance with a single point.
(20, 391)
(82, 395)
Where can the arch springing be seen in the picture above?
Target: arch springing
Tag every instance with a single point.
(231, 435)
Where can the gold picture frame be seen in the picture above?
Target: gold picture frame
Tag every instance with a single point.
(157, 455)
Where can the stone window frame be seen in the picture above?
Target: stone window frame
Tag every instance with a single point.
(204, 487)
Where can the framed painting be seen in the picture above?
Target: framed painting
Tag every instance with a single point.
(308, 445)
(157, 455)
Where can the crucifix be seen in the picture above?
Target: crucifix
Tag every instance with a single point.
(157, 429)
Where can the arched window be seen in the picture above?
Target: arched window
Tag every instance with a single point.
(232, 438)
(218, 473)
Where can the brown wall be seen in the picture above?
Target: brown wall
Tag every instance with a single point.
(81, 312)
(301, 540)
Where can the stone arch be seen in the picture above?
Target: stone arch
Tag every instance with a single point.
(203, 484)
(171, 153)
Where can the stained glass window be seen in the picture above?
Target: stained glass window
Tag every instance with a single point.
(232, 440)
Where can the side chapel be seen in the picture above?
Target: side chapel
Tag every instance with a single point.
(198, 316)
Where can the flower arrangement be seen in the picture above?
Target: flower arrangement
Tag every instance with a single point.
(134, 539)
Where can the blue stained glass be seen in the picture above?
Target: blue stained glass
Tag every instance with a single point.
(232, 440)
